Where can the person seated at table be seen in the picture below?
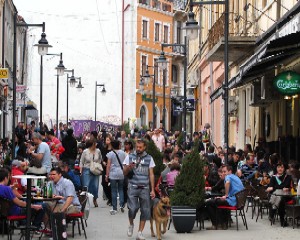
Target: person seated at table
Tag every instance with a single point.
(65, 190)
(249, 169)
(40, 155)
(279, 184)
(265, 180)
(18, 206)
(71, 175)
(219, 187)
(233, 185)
(18, 168)
(171, 176)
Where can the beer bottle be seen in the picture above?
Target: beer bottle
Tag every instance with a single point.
(39, 183)
(50, 192)
(45, 190)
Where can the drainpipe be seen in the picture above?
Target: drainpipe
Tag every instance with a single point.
(123, 52)
(3, 64)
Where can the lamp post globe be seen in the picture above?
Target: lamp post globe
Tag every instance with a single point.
(60, 68)
(141, 85)
(79, 86)
(147, 77)
(162, 61)
(43, 45)
(72, 81)
(103, 91)
(191, 26)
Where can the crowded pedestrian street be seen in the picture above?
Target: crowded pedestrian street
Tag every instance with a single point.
(149, 119)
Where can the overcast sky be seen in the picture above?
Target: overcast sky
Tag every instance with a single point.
(89, 35)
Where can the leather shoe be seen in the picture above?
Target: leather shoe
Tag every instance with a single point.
(95, 202)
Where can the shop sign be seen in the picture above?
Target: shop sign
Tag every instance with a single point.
(287, 83)
(21, 88)
(190, 105)
(147, 99)
(3, 73)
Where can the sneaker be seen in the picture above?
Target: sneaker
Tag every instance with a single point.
(113, 212)
(140, 236)
(122, 209)
(130, 230)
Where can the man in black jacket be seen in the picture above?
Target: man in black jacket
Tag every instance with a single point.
(70, 145)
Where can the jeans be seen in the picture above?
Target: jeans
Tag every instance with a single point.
(117, 187)
(91, 181)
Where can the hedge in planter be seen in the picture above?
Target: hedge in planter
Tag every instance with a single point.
(189, 185)
(188, 191)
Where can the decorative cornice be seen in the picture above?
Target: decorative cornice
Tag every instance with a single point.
(144, 6)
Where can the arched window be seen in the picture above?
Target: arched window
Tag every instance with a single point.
(143, 115)
(174, 74)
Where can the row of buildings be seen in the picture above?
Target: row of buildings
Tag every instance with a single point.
(26, 109)
(263, 43)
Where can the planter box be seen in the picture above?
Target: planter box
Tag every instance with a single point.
(183, 218)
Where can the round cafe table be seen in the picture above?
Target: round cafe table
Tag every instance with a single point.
(28, 200)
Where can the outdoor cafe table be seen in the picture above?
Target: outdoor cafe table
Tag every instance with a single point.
(211, 194)
(28, 200)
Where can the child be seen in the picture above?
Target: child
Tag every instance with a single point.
(171, 176)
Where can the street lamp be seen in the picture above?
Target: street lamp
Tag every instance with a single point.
(60, 71)
(80, 87)
(60, 67)
(103, 91)
(72, 81)
(42, 50)
(145, 79)
(162, 64)
(190, 24)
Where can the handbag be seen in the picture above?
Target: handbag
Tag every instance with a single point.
(96, 168)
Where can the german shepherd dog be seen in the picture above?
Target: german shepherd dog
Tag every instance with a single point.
(160, 214)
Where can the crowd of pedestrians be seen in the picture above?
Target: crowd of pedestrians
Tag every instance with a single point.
(127, 169)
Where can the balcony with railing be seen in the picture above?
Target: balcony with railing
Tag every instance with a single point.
(179, 4)
(241, 39)
(164, 5)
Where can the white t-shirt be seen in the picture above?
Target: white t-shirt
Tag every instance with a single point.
(151, 165)
(159, 141)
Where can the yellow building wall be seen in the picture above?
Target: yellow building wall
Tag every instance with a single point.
(152, 49)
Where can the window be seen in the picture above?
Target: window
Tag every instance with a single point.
(143, 115)
(144, 65)
(145, 29)
(174, 74)
(166, 34)
(156, 32)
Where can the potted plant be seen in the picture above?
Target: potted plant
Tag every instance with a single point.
(188, 193)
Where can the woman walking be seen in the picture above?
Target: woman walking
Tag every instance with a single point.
(91, 153)
(114, 174)
(105, 150)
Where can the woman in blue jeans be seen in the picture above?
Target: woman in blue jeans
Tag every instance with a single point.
(88, 179)
(114, 174)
